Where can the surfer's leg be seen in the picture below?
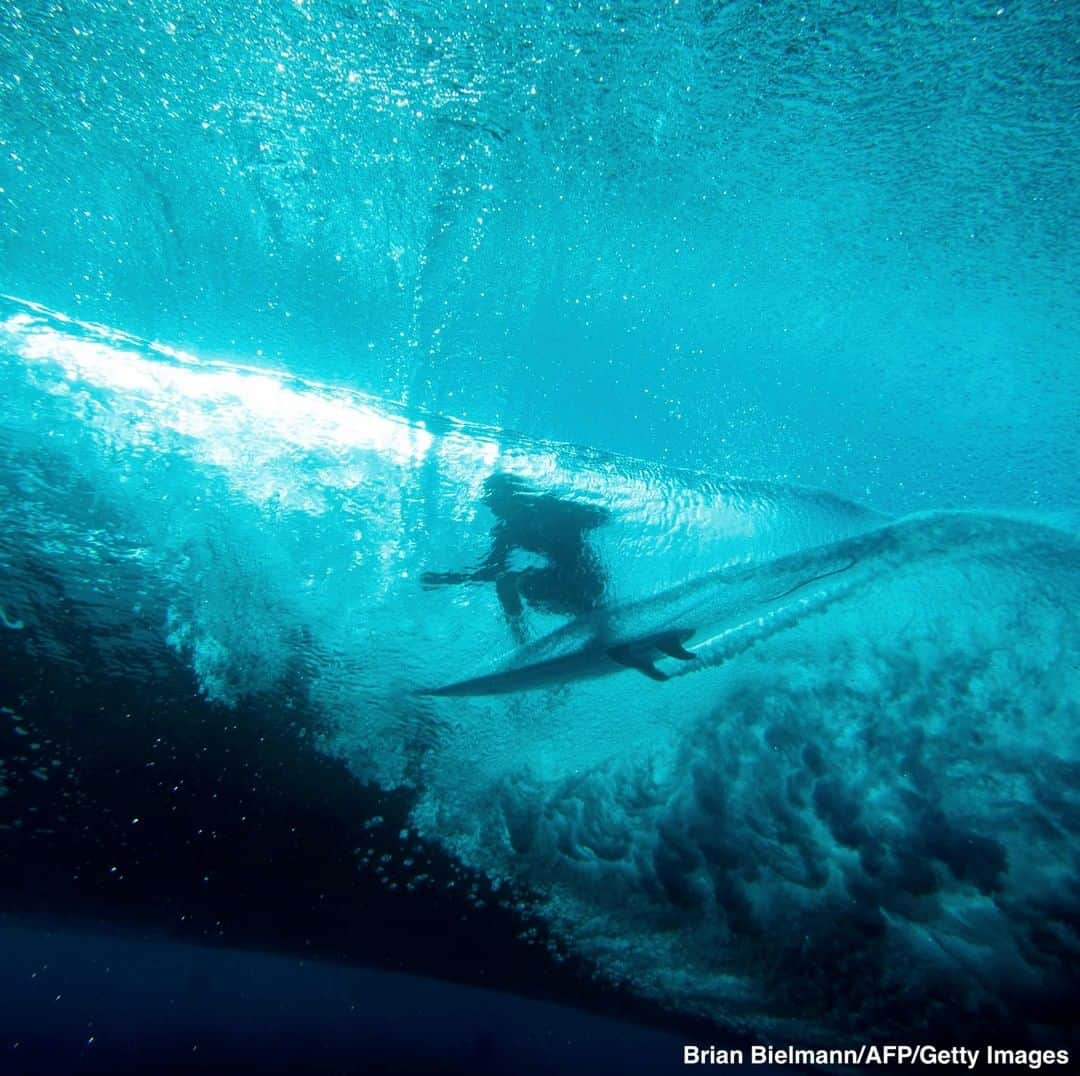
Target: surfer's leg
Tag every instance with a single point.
(506, 587)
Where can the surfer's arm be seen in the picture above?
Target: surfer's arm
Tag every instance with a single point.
(490, 568)
(439, 579)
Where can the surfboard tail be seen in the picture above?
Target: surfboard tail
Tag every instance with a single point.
(588, 662)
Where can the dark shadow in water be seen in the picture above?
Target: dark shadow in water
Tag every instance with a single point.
(138, 806)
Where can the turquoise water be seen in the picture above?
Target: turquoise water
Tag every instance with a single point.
(286, 284)
(833, 243)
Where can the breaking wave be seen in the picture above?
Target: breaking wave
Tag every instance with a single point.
(862, 802)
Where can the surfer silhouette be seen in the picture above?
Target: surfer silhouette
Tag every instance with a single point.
(570, 582)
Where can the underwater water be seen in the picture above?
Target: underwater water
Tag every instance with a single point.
(768, 317)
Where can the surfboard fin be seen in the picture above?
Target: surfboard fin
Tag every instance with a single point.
(671, 644)
(633, 657)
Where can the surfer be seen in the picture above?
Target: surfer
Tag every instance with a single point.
(572, 580)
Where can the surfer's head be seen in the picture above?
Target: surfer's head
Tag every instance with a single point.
(503, 491)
